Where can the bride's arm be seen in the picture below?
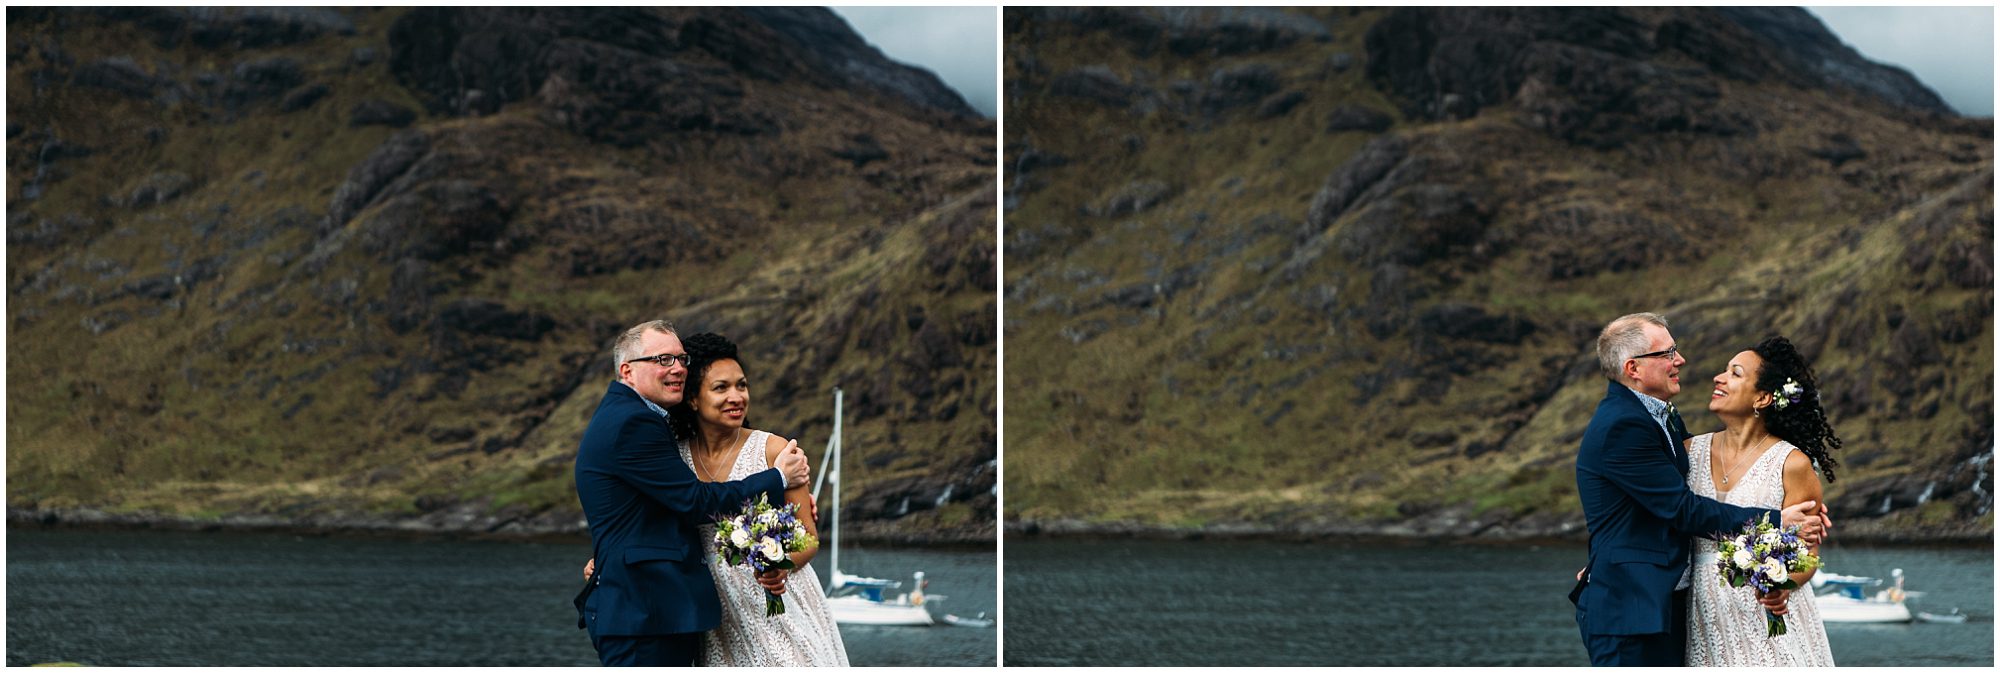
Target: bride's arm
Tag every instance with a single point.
(1801, 484)
(799, 494)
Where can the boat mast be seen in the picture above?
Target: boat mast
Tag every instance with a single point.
(835, 459)
(831, 442)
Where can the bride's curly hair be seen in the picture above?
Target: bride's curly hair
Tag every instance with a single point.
(1802, 421)
(704, 350)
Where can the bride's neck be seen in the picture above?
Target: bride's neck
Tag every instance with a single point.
(1744, 433)
(715, 437)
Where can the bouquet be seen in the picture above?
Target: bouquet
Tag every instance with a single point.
(1764, 557)
(763, 537)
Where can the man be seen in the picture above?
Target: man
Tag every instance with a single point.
(1631, 473)
(653, 596)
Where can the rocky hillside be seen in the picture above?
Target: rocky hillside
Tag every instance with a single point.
(359, 267)
(1340, 270)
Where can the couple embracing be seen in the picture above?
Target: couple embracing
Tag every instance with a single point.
(1653, 494)
(665, 453)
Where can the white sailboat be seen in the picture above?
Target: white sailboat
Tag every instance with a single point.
(1842, 598)
(855, 599)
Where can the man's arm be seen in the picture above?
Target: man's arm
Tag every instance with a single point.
(650, 461)
(1636, 463)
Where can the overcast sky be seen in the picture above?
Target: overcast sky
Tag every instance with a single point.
(960, 44)
(1950, 49)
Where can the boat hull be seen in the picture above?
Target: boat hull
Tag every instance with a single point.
(861, 611)
(1841, 609)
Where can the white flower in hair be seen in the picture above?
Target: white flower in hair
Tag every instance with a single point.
(1789, 394)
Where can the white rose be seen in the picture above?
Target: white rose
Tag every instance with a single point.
(1773, 570)
(739, 539)
(771, 549)
(1742, 542)
(1743, 559)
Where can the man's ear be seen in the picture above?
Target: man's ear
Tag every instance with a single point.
(1631, 370)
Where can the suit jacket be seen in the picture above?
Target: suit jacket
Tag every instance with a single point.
(643, 504)
(1642, 518)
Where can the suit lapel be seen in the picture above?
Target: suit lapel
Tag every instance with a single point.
(1673, 426)
(1680, 435)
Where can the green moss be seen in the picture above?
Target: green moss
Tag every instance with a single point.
(1937, 513)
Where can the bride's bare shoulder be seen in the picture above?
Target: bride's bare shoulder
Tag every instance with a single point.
(773, 444)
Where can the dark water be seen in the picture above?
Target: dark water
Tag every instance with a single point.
(1216, 602)
(224, 599)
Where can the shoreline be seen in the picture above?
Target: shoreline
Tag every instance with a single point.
(1404, 534)
(540, 529)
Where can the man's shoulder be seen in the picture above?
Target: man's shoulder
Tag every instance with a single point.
(620, 398)
(1620, 406)
(619, 408)
(1621, 401)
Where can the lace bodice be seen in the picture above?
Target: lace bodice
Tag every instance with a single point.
(804, 636)
(1726, 624)
(1763, 485)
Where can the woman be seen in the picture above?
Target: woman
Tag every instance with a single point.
(720, 447)
(1774, 435)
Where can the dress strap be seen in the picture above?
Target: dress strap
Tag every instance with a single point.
(1700, 480)
(1776, 454)
(750, 459)
(1702, 444)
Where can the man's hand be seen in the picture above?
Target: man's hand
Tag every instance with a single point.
(1579, 573)
(773, 581)
(1775, 601)
(1811, 519)
(589, 566)
(812, 509)
(792, 462)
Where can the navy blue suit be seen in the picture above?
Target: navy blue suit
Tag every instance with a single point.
(1643, 521)
(643, 504)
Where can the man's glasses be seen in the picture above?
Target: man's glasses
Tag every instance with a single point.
(665, 360)
(1669, 353)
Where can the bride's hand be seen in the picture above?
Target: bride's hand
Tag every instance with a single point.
(1775, 601)
(589, 566)
(773, 581)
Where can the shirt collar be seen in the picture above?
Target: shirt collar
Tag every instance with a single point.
(656, 408)
(1659, 408)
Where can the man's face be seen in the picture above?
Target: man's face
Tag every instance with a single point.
(1658, 375)
(663, 384)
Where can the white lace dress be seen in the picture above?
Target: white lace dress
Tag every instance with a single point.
(804, 636)
(1726, 624)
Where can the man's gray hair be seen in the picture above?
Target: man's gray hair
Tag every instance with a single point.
(627, 346)
(1623, 339)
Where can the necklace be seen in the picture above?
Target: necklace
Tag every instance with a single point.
(1732, 465)
(734, 439)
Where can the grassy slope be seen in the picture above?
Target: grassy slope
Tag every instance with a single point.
(255, 392)
(1234, 401)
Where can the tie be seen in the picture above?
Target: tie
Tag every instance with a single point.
(1679, 431)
